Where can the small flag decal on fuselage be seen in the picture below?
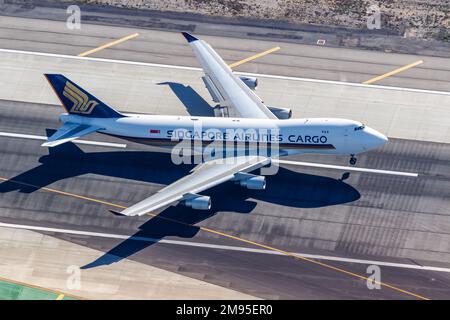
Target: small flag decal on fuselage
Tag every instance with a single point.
(155, 131)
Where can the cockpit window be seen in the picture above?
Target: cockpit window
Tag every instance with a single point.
(361, 127)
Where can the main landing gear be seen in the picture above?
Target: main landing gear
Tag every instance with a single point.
(352, 160)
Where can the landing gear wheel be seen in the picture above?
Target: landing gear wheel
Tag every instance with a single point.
(353, 160)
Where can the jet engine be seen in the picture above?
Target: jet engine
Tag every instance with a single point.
(198, 202)
(281, 113)
(251, 181)
(251, 82)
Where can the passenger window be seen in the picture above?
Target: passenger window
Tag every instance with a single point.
(360, 128)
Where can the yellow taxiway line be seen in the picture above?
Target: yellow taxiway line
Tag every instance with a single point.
(258, 55)
(109, 44)
(328, 266)
(393, 72)
(60, 297)
(297, 256)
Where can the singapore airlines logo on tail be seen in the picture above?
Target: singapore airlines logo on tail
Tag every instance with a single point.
(81, 102)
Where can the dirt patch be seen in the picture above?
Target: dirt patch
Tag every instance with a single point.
(410, 18)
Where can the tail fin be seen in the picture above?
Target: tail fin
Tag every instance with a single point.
(78, 101)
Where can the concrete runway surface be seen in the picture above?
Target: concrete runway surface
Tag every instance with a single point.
(171, 89)
(395, 220)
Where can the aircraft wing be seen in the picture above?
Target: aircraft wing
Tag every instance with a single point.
(202, 177)
(224, 86)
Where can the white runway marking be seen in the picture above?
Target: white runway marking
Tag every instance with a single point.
(241, 73)
(330, 166)
(44, 138)
(223, 247)
(297, 163)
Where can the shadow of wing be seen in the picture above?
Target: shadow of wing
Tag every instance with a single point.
(195, 105)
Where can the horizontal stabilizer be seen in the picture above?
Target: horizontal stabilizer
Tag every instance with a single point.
(69, 132)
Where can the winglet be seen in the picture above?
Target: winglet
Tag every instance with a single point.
(117, 213)
(190, 38)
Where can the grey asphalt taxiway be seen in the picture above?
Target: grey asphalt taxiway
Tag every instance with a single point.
(233, 44)
(356, 215)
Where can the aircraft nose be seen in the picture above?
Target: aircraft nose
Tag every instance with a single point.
(376, 139)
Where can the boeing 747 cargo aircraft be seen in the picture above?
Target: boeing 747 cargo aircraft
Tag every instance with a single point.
(262, 132)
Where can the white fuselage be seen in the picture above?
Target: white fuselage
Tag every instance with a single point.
(314, 135)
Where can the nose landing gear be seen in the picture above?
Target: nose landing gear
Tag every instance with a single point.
(352, 160)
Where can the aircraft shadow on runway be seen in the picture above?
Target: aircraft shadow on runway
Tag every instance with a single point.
(286, 188)
(195, 105)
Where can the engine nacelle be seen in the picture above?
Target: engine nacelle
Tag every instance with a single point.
(251, 82)
(281, 113)
(198, 203)
(254, 182)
